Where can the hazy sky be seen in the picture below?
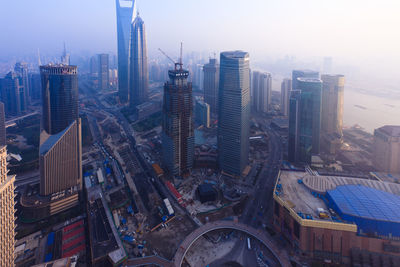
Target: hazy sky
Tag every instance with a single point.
(363, 31)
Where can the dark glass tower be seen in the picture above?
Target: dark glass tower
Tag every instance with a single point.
(125, 10)
(60, 155)
(21, 69)
(177, 127)
(10, 94)
(138, 69)
(305, 120)
(234, 112)
(211, 84)
(59, 97)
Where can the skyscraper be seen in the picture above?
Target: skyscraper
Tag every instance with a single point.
(234, 112)
(125, 10)
(60, 140)
(202, 113)
(21, 69)
(332, 112)
(59, 97)
(262, 86)
(10, 94)
(3, 137)
(138, 68)
(211, 84)
(387, 149)
(302, 74)
(7, 211)
(305, 120)
(177, 126)
(286, 87)
(103, 73)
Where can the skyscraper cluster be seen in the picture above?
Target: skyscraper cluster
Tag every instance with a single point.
(315, 114)
(133, 76)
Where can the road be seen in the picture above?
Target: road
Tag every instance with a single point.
(260, 205)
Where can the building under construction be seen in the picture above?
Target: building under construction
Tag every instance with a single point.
(178, 131)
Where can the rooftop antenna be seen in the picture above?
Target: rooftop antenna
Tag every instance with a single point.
(39, 62)
(180, 60)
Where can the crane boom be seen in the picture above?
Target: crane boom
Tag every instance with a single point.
(165, 54)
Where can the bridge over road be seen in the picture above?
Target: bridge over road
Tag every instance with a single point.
(279, 256)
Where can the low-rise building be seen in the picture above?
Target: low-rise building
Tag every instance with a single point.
(339, 220)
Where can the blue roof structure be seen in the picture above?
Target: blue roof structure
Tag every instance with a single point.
(374, 211)
(50, 239)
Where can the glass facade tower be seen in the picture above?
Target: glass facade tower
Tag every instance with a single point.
(125, 10)
(138, 68)
(59, 97)
(234, 112)
(305, 120)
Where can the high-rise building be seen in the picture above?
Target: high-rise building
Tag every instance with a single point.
(138, 68)
(332, 112)
(59, 160)
(211, 84)
(35, 86)
(262, 86)
(10, 94)
(177, 125)
(305, 120)
(202, 113)
(387, 149)
(302, 74)
(286, 88)
(3, 137)
(234, 112)
(21, 69)
(7, 211)
(60, 140)
(59, 97)
(125, 10)
(103, 73)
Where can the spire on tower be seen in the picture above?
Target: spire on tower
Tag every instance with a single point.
(38, 53)
(135, 13)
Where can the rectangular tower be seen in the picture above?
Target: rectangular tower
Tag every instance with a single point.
(211, 84)
(286, 88)
(387, 149)
(234, 112)
(261, 86)
(60, 140)
(177, 127)
(103, 72)
(305, 120)
(10, 94)
(7, 211)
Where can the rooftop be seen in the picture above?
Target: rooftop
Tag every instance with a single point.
(304, 192)
(391, 130)
(309, 80)
(235, 54)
